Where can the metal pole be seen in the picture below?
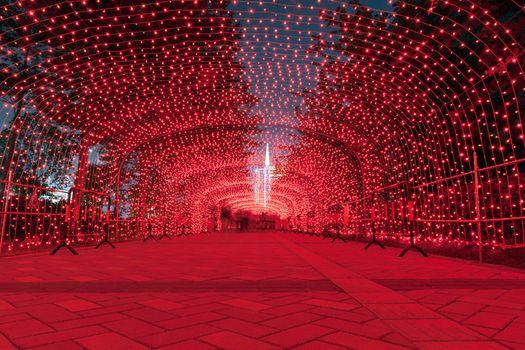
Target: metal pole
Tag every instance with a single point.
(117, 208)
(6, 207)
(478, 211)
(71, 221)
(117, 198)
(108, 215)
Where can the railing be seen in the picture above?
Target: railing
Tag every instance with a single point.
(483, 207)
(37, 218)
(31, 216)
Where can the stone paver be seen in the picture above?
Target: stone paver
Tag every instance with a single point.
(229, 340)
(110, 341)
(256, 291)
(297, 335)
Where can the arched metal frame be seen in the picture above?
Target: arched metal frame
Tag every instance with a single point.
(424, 98)
(338, 144)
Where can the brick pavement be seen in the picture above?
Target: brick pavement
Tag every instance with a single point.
(256, 291)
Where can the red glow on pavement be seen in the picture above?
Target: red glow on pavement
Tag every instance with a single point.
(392, 122)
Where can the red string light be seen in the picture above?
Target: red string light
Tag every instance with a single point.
(389, 115)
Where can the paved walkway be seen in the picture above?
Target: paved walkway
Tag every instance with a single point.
(256, 291)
